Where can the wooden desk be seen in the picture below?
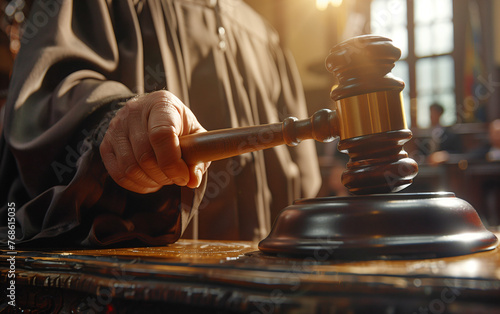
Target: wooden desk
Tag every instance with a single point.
(234, 277)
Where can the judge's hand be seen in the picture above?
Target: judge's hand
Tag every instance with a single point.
(141, 150)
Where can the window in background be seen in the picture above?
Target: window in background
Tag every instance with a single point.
(388, 18)
(423, 30)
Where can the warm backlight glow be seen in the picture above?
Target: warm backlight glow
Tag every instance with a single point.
(323, 4)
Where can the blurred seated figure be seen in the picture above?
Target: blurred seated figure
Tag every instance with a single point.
(443, 141)
(493, 153)
(491, 150)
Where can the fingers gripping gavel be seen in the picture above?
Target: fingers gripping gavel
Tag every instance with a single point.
(369, 119)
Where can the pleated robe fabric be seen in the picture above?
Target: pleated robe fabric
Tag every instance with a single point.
(80, 60)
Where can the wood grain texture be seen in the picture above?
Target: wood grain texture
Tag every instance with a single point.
(220, 144)
(234, 277)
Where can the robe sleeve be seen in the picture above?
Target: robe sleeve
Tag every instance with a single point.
(304, 154)
(79, 61)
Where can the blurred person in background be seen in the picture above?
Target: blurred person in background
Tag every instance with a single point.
(443, 140)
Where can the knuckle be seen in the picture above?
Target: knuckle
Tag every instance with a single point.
(138, 140)
(165, 101)
(125, 111)
(113, 124)
(171, 170)
(120, 180)
(159, 99)
(105, 146)
(117, 176)
(162, 134)
(147, 161)
(161, 94)
(161, 179)
(133, 171)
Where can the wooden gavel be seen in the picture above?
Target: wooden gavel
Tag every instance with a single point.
(369, 119)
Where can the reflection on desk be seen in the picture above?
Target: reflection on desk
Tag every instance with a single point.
(234, 277)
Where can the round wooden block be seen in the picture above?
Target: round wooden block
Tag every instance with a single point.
(406, 225)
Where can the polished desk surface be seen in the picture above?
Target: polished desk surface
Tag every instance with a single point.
(233, 277)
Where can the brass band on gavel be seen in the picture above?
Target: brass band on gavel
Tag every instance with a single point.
(370, 113)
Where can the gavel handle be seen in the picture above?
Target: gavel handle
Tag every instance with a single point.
(220, 144)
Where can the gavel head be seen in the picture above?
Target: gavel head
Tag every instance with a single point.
(372, 124)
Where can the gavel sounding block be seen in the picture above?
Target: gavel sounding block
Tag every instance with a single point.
(376, 223)
(393, 226)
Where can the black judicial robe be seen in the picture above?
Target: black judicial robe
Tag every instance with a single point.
(81, 59)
